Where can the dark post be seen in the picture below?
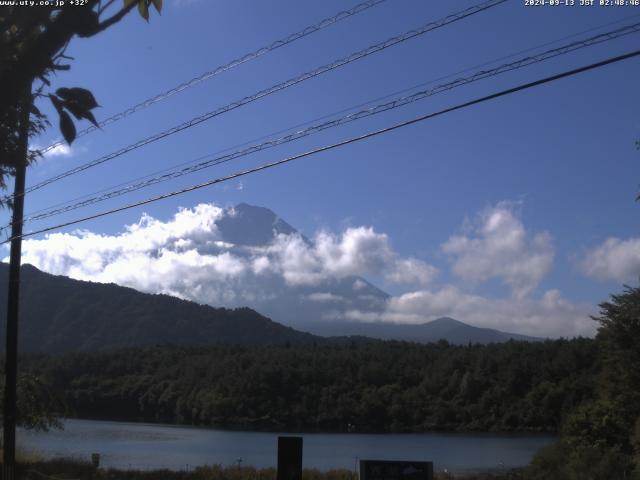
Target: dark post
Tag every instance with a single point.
(11, 362)
(289, 458)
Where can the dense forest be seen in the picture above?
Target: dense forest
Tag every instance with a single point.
(600, 440)
(60, 314)
(586, 390)
(382, 386)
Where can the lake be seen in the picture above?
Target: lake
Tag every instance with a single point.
(146, 446)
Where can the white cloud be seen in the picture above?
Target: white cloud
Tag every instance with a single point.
(325, 297)
(62, 150)
(614, 259)
(186, 256)
(411, 271)
(498, 246)
(358, 251)
(358, 284)
(551, 315)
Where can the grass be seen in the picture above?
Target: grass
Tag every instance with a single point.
(32, 467)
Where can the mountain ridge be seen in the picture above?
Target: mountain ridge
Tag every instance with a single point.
(443, 328)
(284, 306)
(59, 314)
(62, 314)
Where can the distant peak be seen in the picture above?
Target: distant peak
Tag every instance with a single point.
(446, 321)
(253, 209)
(251, 225)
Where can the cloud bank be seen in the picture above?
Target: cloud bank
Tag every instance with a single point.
(187, 256)
(549, 316)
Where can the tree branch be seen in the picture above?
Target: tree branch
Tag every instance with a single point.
(106, 5)
(114, 18)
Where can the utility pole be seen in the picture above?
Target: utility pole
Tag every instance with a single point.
(11, 362)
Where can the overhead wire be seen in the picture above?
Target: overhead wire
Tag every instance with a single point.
(342, 143)
(395, 103)
(454, 17)
(332, 114)
(361, 7)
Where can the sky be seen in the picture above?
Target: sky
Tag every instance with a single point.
(518, 213)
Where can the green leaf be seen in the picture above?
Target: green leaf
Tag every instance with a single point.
(128, 2)
(67, 127)
(80, 96)
(143, 8)
(158, 5)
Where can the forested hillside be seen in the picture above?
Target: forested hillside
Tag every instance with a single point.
(59, 314)
(385, 386)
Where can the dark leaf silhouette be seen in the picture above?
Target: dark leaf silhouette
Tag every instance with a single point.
(80, 112)
(57, 103)
(89, 25)
(67, 127)
(89, 116)
(79, 96)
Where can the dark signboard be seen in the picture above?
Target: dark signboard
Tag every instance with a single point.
(390, 470)
(289, 458)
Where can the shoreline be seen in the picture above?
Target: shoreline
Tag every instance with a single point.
(269, 429)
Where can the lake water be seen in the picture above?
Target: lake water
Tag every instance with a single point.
(145, 446)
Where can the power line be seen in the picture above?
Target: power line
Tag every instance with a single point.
(342, 143)
(361, 7)
(329, 115)
(273, 89)
(396, 103)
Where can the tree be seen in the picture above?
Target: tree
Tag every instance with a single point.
(601, 438)
(619, 334)
(39, 407)
(33, 41)
(32, 48)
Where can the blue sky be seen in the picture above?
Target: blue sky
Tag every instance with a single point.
(558, 163)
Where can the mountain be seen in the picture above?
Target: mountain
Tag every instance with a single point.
(59, 314)
(252, 226)
(302, 307)
(316, 308)
(449, 329)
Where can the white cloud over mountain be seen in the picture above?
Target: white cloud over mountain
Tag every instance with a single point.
(614, 259)
(551, 315)
(498, 246)
(188, 256)
(357, 251)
